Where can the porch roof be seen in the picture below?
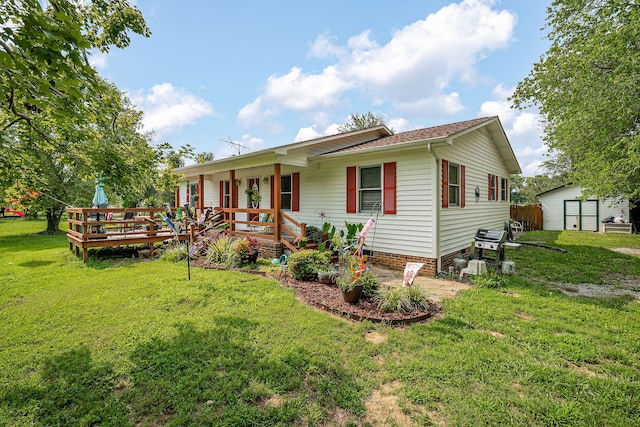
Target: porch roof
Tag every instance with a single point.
(297, 153)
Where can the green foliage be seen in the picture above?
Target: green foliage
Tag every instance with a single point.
(304, 265)
(401, 299)
(393, 300)
(361, 121)
(176, 253)
(222, 251)
(370, 284)
(586, 88)
(418, 297)
(525, 190)
(489, 280)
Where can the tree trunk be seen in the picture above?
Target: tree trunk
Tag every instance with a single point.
(53, 220)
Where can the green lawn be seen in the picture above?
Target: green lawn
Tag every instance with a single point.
(127, 344)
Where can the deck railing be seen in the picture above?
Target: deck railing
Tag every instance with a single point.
(99, 227)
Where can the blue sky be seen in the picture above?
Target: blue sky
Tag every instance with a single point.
(271, 73)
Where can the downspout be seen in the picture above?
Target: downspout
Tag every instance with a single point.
(437, 206)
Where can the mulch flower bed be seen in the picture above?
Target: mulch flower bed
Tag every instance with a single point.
(329, 298)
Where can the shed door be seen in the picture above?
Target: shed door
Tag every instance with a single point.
(579, 215)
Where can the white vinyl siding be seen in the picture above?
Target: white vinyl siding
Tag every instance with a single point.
(458, 227)
(409, 231)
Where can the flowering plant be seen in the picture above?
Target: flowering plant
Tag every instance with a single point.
(247, 245)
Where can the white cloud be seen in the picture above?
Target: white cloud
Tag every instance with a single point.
(98, 61)
(167, 108)
(311, 132)
(522, 129)
(411, 72)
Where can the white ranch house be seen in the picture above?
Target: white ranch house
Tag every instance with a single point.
(563, 208)
(430, 189)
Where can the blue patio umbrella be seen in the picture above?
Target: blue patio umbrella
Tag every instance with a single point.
(100, 198)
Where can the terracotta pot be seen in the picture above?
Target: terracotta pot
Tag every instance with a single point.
(352, 296)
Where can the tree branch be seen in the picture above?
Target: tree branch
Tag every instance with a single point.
(26, 118)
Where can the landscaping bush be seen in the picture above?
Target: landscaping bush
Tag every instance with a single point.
(402, 300)
(370, 284)
(418, 298)
(175, 253)
(304, 265)
(222, 251)
(393, 300)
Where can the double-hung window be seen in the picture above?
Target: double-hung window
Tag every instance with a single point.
(370, 190)
(504, 185)
(285, 192)
(454, 184)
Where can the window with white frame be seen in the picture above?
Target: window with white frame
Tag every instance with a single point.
(454, 184)
(226, 195)
(503, 189)
(285, 192)
(369, 190)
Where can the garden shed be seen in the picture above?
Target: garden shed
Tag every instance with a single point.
(564, 208)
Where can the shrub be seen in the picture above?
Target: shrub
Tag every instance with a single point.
(222, 251)
(402, 300)
(418, 298)
(370, 284)
(175, 254)
(489, 280)
(304, 265)
(393, 300)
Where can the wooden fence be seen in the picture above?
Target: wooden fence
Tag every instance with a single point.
(530, 216)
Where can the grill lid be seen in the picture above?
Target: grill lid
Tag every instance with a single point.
(497, 236)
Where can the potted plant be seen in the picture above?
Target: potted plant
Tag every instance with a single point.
(253, 196)
(302, 243)
(248, 249)
(351, 289)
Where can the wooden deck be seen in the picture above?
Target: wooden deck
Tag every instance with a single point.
(102, 227)
(133, 226)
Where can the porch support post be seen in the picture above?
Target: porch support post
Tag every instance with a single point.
(277, 203)
(177, 198)
(200, 202)
(234, 196)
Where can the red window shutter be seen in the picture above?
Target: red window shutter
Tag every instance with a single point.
(187, 193)
(389, 188)
(221, 195)
(295, 191)
(352, 189)
(462, 186)
(272, 192)
(445, 183)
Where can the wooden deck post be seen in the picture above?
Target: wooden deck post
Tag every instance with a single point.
(277, 203)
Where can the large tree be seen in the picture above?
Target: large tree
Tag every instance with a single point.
(45, 74)
(61, 124)
(105, 143)
(587, 89)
